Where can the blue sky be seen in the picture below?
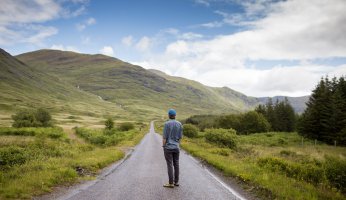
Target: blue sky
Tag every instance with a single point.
(258, 47)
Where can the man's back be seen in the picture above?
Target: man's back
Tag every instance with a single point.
(172, 132)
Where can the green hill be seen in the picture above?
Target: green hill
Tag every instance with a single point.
(98, 85)
(136, 89)
(23, 86)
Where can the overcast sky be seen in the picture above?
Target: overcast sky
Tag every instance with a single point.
(257, 47)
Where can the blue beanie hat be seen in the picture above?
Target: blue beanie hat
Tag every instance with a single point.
(172, 112)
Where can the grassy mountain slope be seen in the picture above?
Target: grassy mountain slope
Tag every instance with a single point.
(23, 86)
(134, 88)
(145, 93)
(225, 94)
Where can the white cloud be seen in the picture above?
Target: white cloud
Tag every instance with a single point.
(83, 25)
(64, 48)
(29, 33)
(291, 81)
(190, 36)
(73, 8)
(22, 11)
(203, 2)
(91, 21)
(42, 32)
(172, 31)
(296, 30)
(107, 50)
(127, 41)
(20, 19)
(178, 48)
(143, 44)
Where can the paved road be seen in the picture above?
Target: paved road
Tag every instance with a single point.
(142, 175)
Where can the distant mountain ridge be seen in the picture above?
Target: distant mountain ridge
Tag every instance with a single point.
(133, 88)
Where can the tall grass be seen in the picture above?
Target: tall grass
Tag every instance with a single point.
(105, 137)
(55, 132)
(276, 169)
(40, 162)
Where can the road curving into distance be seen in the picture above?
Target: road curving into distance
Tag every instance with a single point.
(141, 176)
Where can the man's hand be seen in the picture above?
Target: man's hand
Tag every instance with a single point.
(163, 142)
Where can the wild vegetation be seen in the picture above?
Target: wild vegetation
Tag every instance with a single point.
(108, 137)
(35, 159)
(190, 130)
(281, 164)
(32, 118)
(274, 165)
(269, 117)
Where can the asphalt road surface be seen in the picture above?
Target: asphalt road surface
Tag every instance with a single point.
(142, 175)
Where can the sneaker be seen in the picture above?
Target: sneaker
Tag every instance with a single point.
(168, 185)
(176, 184)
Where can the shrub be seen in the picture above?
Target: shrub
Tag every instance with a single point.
(253, 122)
(109, 124)
(126, 126)
(336, 172)
(225, 137)
(307, 172)
(32, 118)
(12, 155)
(52, 132)
(98, 139)
(43, 117)
(24, 118)
(229, 121)
(190, 130)
(105, 137)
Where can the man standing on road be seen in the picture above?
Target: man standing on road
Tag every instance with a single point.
(172, 133)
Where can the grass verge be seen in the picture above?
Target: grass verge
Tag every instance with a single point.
(39, 162)
(273, 169)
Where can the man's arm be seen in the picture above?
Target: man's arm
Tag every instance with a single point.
(164, 136)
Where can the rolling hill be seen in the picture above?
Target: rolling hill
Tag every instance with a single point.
(100, 85)
(135, 88)
(22, 86)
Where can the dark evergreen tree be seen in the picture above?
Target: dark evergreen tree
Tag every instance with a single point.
(281, 116)
(261, 109)
(284, 116)
(325, 118)
(270, 115)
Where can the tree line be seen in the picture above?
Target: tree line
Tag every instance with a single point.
(324, 119)
(268, 117)
(325, 116)
(280, 115)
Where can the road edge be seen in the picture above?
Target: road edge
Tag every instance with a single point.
(65, 192)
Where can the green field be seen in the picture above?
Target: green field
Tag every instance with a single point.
(277, 166)
(34, 160)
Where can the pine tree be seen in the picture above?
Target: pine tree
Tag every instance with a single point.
(309, 124)
(325, 116)
(270, 115)
(340, 109)
(261, 109)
